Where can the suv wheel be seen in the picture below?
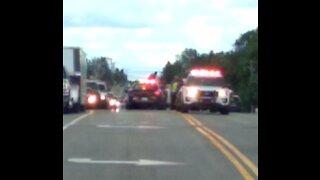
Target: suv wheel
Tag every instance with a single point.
(184, 109)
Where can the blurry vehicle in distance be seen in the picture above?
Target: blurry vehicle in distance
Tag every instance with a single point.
(146, 93)
(92, 98)
(204, 89)
(123, 99)
(100, 88)
(67, 99)
(74, 79)
(113, 101)
(235, 103)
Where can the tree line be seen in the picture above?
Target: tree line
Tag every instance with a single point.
(98, 68)
(240, 66)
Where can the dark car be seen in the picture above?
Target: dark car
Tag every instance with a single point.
(92, 98)
(146, 94)
(113, 101)
(235, 103)
(100, 88)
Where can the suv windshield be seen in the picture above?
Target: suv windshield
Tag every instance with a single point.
(101, 87)
(202, 81)
(92, 85)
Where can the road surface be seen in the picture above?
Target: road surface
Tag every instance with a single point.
(154, 144)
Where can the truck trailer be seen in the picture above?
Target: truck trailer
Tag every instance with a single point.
(74, 80)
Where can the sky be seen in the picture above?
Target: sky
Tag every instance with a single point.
(141, 36)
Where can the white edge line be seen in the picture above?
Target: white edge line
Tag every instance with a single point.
(75, 121)
(138, 127)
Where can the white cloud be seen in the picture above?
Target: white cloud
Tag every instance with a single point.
(153, 55)
(163, 17)
(90, 34)
(144, 32)
(204, 35)
(143, 35)
(246, 17)
(153, 46)
(156, 60)
(219, 4)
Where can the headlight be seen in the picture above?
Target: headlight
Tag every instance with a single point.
(92, 99)
(112, 102)
(222, 93)
(118, 103)
(192, 92)
(102, 97)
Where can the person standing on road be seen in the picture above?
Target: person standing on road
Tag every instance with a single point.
(174, 90)
(153, 75)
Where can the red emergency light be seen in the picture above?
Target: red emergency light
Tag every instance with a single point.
(147, 81)
(157, 92)
(152, 81)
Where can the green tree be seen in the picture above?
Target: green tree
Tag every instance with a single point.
(188, 58)
(98, 68)
(172, 70)
(245, 59)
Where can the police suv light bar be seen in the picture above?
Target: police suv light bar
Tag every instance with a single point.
(205, 73)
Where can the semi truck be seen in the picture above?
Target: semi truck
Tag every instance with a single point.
(74, 79)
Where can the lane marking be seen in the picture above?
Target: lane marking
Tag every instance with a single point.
(76, 120)
(245, 174)
(239, 154)
(140, 162)
(133, 127)
(190, 122)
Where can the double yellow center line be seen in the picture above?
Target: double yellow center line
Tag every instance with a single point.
(226, 148)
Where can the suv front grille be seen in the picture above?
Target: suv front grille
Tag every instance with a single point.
(208, 93)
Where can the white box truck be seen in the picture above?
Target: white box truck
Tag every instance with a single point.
(74, 80)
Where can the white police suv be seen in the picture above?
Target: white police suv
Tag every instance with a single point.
(204, 89)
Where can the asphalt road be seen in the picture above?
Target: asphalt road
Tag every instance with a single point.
(153, 144)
